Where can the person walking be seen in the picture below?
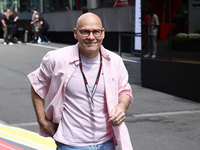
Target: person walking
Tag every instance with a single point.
(3, 21)
(145, 24)
(35, 24)
(10, 19)
(43, 27)
(15, 14)
(88, 89)
(152, 34)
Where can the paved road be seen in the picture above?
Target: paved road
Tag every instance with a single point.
(156, 121)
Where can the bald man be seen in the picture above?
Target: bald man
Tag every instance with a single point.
(88, 91)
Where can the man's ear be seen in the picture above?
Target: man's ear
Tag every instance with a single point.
(75, 33)
(103, 33)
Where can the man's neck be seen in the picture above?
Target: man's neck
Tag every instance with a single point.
(89, 55)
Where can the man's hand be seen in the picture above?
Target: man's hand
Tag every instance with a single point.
(49, 127)
(38, 103)
(117, 115)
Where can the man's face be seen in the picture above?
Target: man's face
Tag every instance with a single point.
(89, 45)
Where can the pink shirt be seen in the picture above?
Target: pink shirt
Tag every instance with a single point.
(82, 124)
(55, 71)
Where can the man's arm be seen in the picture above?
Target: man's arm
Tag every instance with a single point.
(40, 25)
(36, 20)
(16, 18)
(156, 22)
(38, 103)
(3, 22)
(117, 115)
(41, 22)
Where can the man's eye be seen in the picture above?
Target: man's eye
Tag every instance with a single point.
(85, 32)
(96, 31)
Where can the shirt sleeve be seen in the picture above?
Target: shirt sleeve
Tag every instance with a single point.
(124, 86)
(41, 78)
(156, 20)
(3, 17)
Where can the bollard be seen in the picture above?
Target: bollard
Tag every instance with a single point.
(25, 36)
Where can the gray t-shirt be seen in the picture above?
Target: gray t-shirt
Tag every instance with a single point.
(33, 19)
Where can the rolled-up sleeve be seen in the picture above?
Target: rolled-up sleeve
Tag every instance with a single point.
(40, 79)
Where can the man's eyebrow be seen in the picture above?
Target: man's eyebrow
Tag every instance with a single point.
(91, 30)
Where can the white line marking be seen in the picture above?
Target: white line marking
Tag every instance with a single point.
(15, 141)
(135, 61)
(25, 140)
(165, 113)
(25, 124)
(138, 115)
(45, 46)
(7, 146)
(26, 131)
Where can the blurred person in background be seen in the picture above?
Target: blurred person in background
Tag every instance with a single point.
(84, 10)
(145, 23)
(15, 14)
(3, 21)
(10, 20)
(43, 27)
(35, 24)
(152, 34)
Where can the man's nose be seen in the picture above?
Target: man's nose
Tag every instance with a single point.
(91, 36)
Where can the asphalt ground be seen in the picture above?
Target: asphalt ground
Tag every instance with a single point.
(156, 120)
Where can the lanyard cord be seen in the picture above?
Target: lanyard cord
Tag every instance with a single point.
(97, 79)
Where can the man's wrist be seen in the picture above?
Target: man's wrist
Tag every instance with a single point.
(124, 102)
(42, 122)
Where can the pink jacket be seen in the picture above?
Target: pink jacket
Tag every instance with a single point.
(55, 71)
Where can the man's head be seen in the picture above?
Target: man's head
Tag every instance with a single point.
(90, 34)
(33, 9)
(16, 10)
(151, 12)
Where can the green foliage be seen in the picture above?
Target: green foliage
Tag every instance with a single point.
(184, 37)
(180, 39)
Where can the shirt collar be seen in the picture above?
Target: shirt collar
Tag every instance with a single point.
(75, 54)
(104, 53)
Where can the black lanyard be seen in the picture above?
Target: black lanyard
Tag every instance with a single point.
(97, 79)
